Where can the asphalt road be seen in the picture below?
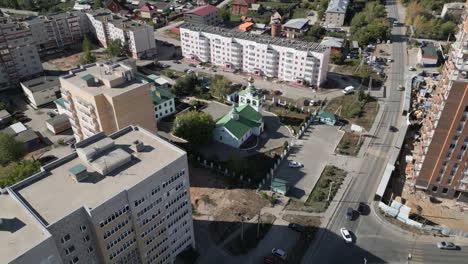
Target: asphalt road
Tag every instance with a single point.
(376, 241)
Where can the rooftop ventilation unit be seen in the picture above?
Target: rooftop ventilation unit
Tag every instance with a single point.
(138, 146)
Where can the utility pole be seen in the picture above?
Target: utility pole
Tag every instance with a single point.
(242, 226)
(258, 224)
(329, 192)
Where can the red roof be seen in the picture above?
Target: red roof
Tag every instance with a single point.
(203, 10)
(147, 7)
(243, 2)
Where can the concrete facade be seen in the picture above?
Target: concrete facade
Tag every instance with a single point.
(440, 155)
(336, 13)
(137, 212)
(207, 15)
(289, 60)
(41, 90)
(106, 97)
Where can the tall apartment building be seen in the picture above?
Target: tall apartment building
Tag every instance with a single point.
(138, 36)
(106, 97)
(122, 198)
(336, 13)
(440, 156)
(19, 58)
(287, 59)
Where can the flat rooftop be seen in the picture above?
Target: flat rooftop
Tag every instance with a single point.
(42, 83)
(263, 39)
(116, 20)
(67, 195)
(77, 78)
(19, 232)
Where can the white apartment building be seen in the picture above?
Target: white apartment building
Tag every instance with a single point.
(122, 198)
(336, 13)
(287, 59)
(106, 97)
(107, 26)
(19, 58)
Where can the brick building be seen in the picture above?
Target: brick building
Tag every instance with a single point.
(241, 7)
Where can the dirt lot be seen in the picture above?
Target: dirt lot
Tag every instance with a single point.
(446, 213)
(219, 206)
(72, 61)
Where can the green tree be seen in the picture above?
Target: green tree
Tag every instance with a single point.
(87, 58)
(314, 33)
(2, 106)
(185, 85)
(87, 45)
(97, 4)
(17, 171)
(221, 86)
(115, 48)
(225, 14)
(10, 149)
(195, 127)
(336, 57)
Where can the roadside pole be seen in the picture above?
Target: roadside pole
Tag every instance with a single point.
(329, 192)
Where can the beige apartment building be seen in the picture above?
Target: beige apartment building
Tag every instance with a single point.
(440, 158)
(122, 198)
(107, 97)
(336, 13)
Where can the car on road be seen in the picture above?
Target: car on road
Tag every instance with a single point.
(401, 88)
(296, 227)
(349, 213)
(295, 164)
(165, 66)
(392, 129)
(389, 60)
(176, 62)
(446, 245)
(346, 235)
(192, 65)
(361, 208)
(277, 92)
(411, 68)
(200, 67)
(279, 253)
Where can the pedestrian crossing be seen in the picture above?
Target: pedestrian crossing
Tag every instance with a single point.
(416, 255)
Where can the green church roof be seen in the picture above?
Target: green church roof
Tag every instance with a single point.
(248, 118)
(163, 96)
(328, 115)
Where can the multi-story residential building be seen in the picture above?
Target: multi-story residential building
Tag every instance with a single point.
(19, 59)
(336, 13)
(138, 36)
(106, 97)
(208, 15)
(296, 27)
(287, 59)
(122, 198)
(440, 158)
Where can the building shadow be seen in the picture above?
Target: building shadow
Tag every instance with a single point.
(11, 224)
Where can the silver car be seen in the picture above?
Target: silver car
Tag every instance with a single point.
(446, 245)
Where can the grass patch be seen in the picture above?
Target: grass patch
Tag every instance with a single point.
(400, 224)
(235, 18)
(207, 200)
(277, 4)
(299, 13)
(168, 33)
(269, 198)
(238, 246)
(289, 117)
(349, 144)
(311, 225)
(360, 113)
(173, 74)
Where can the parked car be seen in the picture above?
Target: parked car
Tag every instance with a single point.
(176, 62)
(349, 213)
(346, 235)
(411, 68)
(192, 65)
(46, 159)
(348, 90)
(24, 119)
(296, 227)
(401, 88)
(295, 164)
(51, 114)
(277, 92)
(18, 115)
(392, 129)
(70, 141)
(446, 245)
(361, 208)
(164, 66)
(279, 253)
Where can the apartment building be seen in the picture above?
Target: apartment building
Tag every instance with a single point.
(208, 15)
(106, 97)
(440, 158)
(287, 59)
(122, 198)
(138, 36)
(336, 13)
(19, 59)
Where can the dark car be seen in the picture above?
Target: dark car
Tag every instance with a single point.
(24, 119)
(349, 213)
(296, 227)
(192, 65)
(362, 208)
(177, 62)
(392, 129)
(51, 114)
(46, 159)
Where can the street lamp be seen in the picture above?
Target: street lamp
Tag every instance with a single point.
(329, 192)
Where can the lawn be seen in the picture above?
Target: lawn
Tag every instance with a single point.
(349, 144)
(241, 245)
(291, 118)
(299, 13)
(361, 114)
(277, 4)
(317, 201)
(173, 74)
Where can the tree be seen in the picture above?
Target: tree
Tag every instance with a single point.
(195, 127)
(226, 14)
(97, 4)
(315, 33)
(87, 45)
(185, 85)
(115, 48)
(2, 106)
(88, 57)
(221, 86)
(10, 149)
(336, 57)
(15, 172)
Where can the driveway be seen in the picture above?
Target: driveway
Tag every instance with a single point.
(315, 150)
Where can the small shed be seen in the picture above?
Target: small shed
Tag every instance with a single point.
(280, 186)
(327, 118)
(58, 124)
(29, 137)
(78, 172)
(5, 118)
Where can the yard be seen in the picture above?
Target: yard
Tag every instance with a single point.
(360, 113)
(350, 144)
(299, 13)
(289, 117)
(71, 59)
(318, 202)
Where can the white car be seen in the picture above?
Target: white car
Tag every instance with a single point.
(295, 164)
(446, 245)
(279, 253)
(346, 235)
(411, 68)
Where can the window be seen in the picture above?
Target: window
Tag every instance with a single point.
(74, 260)
(434, 188)
(83, 228)
(65, 238)
(69, 250)
(86, 238)
(445, 190)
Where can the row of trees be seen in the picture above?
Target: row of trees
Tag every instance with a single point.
(432, 5)
(190, 85)
(115, 48)
(425, 25)
(370, 24)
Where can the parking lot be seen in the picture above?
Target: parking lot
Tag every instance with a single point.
(314, 151)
